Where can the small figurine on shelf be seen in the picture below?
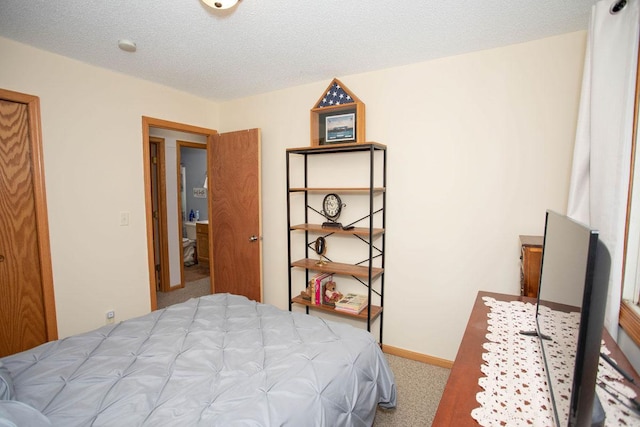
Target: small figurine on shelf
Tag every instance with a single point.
(330, 294)
(307, 293)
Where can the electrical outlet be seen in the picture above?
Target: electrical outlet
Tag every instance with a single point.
(111, 316)
(124, 219)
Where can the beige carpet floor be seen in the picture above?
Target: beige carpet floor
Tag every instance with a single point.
(419, 385)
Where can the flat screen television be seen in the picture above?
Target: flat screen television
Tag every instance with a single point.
(574, 277)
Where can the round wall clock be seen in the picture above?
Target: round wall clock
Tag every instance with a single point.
(331, 206)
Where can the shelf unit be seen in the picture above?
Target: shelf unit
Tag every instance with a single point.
(370, 229)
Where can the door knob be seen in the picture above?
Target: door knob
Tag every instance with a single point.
(253, 238)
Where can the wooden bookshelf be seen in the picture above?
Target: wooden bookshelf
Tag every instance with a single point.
(338, 268)
(376, 190)
(370, 272)
(318, 228)
(336, 148)
(375, 310)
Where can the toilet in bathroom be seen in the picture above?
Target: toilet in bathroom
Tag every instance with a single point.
(189, 244)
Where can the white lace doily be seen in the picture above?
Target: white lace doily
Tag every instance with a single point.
(515, 383)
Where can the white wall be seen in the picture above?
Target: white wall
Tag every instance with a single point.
(92, 141)
(479, 146)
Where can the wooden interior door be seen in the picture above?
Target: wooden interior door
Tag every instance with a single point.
(235, 213)
(159, 213)
(27, 308)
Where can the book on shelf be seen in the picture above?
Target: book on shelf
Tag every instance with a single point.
(346, 310)
(318, 287)
(352, 303)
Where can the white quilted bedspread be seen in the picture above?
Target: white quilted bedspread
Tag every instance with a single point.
(220, 360)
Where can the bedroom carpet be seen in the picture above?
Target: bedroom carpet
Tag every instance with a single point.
(419, 387)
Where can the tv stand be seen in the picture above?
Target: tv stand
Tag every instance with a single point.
(459, 397)
(535, 334)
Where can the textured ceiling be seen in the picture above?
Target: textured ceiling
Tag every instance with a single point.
(265, 45)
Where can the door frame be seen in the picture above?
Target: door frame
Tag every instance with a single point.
(40, 204)
(149, 122)
(161, 191)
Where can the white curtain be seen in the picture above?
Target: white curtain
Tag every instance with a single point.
(602, 153)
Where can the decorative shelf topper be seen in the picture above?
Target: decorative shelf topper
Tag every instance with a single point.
(338, 117)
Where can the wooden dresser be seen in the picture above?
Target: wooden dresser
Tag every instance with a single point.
(459, 397)
(530, 260)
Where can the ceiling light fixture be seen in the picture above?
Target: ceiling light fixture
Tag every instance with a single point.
(220, 4)
(127, 45)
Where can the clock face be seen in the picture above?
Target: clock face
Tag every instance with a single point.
(332, 205)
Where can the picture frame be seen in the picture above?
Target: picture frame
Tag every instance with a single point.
(337, 102)
(340, 128)
(200, 192)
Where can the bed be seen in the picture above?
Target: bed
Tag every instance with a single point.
(219, 360)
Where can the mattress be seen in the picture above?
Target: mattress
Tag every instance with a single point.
(219, 360)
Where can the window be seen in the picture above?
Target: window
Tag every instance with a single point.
(630, 306)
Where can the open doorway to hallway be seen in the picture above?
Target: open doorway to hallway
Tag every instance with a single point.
(185, 269)
(234, 246)
(193, 221)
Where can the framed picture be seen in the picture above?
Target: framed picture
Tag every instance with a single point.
(340, 127)
(338, 117)
(200, 193)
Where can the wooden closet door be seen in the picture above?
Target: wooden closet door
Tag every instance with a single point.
(23, 306)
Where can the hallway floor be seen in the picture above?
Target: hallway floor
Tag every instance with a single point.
(196, 272)
(196, 284)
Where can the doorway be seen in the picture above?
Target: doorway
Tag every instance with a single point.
(174, 246)
(178, 166)
(234, 207)
(194, 215)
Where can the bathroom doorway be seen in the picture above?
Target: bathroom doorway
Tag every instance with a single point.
(194, 213)
(182, 179)
(234, 206)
